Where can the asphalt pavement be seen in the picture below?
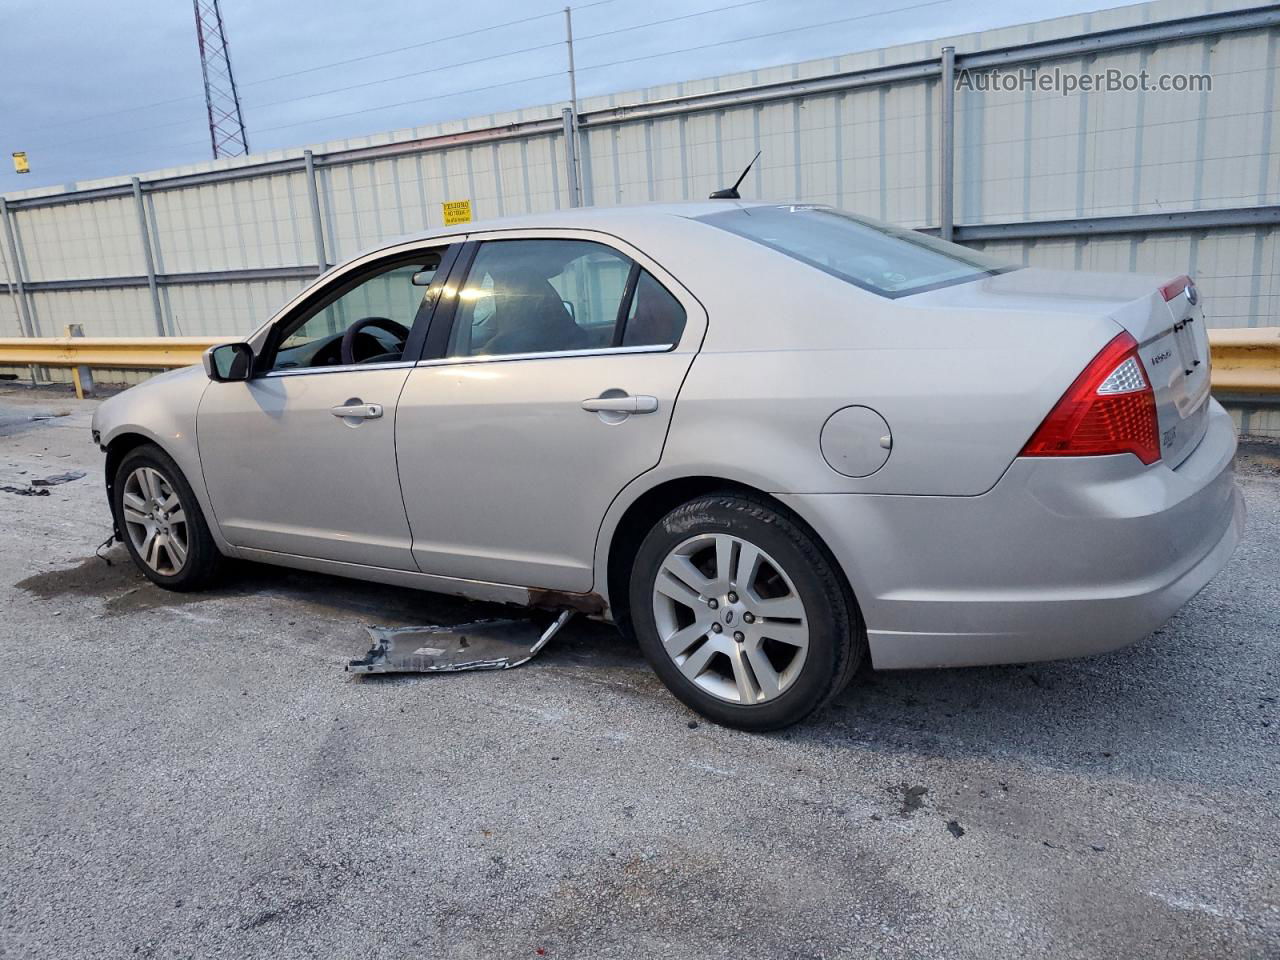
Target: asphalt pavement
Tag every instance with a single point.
(196, 776)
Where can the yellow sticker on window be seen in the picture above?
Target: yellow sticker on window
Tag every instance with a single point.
(456, 211)
(21, 166)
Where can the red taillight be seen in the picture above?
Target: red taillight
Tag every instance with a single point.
(1175, 287)
(1110, 408)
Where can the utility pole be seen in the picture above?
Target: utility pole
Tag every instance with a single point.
(571, 126)
(226, 122)
(568, 39)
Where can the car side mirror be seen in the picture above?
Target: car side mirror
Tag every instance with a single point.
(228, 362)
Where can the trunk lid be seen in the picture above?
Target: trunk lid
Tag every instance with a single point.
(1174, 347)
(1171, 336)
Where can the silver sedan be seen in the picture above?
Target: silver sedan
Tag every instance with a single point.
(768, 441)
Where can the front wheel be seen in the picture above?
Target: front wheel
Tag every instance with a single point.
(742, 613)
(161, 522)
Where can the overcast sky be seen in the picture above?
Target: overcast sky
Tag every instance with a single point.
(83, 78)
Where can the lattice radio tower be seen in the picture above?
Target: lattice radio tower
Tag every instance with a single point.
(226, 122)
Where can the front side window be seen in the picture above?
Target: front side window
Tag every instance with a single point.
(551, 296)
(369, 323)
(875, 256)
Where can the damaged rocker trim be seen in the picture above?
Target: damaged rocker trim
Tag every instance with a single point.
(588, 604)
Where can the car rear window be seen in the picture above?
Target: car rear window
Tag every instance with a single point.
(875, 256)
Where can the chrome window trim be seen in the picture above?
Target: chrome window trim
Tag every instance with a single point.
(338, 368)
(547, 355)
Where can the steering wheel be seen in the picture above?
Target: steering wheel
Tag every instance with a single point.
(348, 352)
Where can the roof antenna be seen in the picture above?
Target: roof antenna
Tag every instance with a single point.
(731, 193)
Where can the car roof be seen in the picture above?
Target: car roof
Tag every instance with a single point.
(599, 218)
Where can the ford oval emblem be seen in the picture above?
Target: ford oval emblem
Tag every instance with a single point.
(1192, 295)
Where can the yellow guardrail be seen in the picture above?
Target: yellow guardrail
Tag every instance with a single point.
(127, 353)
(1245, 360)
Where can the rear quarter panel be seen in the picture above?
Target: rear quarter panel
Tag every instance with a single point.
(962, 386)
(962, 383)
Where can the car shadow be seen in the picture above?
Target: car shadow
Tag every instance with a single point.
(114, 579)
(1148, 711)
(1141, 710)
(1170, 707)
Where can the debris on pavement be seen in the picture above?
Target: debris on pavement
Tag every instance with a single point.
(479, 645)
(58, 478)
(39, 486)
(25, 491)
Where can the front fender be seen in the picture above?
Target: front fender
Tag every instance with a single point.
(162, 411)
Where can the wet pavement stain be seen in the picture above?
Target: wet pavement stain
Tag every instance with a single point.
(912, 799)
(121, 586)
(91, 577)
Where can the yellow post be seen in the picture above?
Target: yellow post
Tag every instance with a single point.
(81, 375)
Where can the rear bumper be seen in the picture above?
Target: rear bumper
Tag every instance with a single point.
(1063, 557)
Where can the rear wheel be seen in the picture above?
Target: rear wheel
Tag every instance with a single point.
(161, 521)
(742, 613)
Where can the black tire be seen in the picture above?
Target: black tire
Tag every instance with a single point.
(837, 637)
(203, 562)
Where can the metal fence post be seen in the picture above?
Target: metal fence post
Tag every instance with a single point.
(947, 146)
(8, 281)
(24, 310)
(17, 286)
(571, 155)
(149, 260)
(317, 224)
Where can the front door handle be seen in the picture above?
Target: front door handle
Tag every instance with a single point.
(356, 410)
(623, 404)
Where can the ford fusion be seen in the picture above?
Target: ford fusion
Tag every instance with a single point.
(768, 441)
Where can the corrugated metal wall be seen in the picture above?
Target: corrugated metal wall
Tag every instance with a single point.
(870, 150)
(1020, 156)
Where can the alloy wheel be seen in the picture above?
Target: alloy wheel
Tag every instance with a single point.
(730, 618)
(155, 521)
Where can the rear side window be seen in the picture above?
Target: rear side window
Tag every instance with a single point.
(875, 256)
(655, 318)
(553, 296)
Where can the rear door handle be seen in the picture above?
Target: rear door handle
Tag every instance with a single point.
(357, 410)
(624, 404)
